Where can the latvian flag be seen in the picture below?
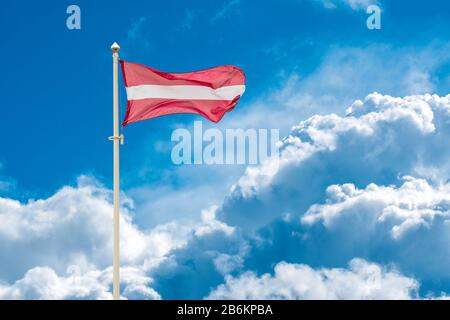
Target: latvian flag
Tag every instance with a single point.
(152, 93)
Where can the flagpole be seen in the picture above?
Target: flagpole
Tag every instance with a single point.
(116, 138)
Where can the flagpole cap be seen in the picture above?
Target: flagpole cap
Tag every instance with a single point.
(115, 47)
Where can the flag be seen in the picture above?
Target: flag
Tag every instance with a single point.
(152, 93)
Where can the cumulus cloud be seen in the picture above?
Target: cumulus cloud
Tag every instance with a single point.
(414, 205)
(365, 146)
(344, 75)
(42, 239)
(44, 283)
(211, 224)
(364, 124)
(390, 220)
(362, 280)
(74, 227)
(370, 184)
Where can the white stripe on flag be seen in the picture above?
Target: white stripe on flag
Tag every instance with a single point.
(184, 92)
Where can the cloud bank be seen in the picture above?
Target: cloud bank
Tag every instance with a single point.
(358, 209)
(362, 280)
(372, 184)
(60, 247)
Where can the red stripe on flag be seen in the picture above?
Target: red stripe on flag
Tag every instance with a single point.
(137, 74)
(214, 110)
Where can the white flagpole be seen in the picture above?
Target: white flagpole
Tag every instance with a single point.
(116, 139)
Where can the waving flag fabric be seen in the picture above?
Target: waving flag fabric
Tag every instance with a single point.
(152, 93)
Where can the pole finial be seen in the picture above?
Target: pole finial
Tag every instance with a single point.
(115, 47)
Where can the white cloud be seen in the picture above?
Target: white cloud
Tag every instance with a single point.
(45, 241)
(75, 224)
(362, 280)
(211, 224)
(340, 180)
(368, 212)
(41, 239)
(44, 283)
(308, 167)
(414, 205)
(353, 4)
(365, 123)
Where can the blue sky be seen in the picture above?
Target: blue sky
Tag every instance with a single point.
(62, 122)
(301, 58)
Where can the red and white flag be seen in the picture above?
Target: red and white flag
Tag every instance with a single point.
(152, 93)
